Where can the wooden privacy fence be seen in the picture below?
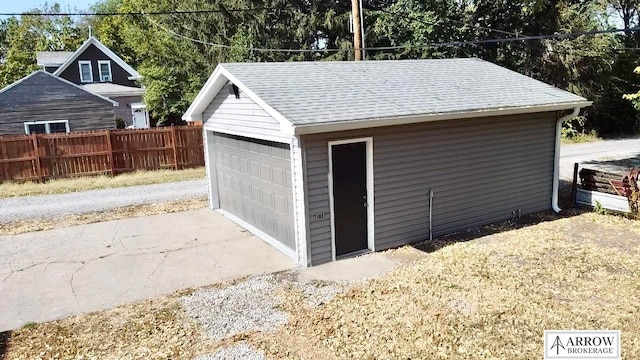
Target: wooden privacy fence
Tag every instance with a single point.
(47, 156)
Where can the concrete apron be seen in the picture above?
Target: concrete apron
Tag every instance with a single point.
(54, 274)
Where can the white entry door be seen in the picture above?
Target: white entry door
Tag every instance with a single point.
(140, 116)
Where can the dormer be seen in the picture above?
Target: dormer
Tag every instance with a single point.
(92, 63)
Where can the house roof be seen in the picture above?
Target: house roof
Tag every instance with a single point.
(42, 72)
(52, 58)
(307, 94)
(115, 58)
(109, 89)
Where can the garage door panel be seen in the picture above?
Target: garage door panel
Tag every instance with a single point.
(255, 184)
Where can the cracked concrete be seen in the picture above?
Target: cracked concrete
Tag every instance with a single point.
(58, 273)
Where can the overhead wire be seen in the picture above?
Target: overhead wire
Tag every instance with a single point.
(517, 37)
(413, 18)
(224, 46)
(129, 13)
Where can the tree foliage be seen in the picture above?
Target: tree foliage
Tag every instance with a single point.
(175, 53)
(20, 38)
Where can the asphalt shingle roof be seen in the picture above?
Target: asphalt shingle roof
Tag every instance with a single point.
(110, 89)
(324, 92)
(52, 57)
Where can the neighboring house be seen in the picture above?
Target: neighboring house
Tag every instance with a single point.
(102, 72)
(330, 159)
(44, 103)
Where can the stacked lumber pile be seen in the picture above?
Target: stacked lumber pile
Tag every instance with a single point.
(625, 184)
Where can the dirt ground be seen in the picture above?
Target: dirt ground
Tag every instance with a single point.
(482, 294)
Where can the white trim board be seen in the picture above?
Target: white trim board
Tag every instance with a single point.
(370, 192)
(47, 125)
(404, 120)
(88, 63)
(285, 139)
(108, 63)
(260, 234)
(299, 203)
(215, 84)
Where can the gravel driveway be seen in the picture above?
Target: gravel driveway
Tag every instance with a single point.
(609, 155)
(43, 206)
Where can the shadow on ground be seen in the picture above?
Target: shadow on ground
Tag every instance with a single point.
(4, 341)
(565, 203)
(614, 164)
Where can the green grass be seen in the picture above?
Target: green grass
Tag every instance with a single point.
(61, 186)
(580, 138)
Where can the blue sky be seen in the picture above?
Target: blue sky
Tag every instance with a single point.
(24, 5)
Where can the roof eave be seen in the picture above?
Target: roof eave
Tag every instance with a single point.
(114, 57)
(403, 120)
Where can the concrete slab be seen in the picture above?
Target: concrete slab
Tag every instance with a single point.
(54, 274)
(363, 267)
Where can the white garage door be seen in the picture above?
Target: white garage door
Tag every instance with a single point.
(254, 184)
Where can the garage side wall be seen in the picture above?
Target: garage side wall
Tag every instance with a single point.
(480, 170)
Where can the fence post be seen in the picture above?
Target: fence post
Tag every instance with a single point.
(36, 156)
(175, 147)
(574, 185)
(110, 149)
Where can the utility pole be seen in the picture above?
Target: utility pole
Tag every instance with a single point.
(357, 29)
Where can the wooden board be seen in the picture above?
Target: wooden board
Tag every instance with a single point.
(607, 201)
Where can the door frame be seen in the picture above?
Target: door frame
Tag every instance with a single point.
(370, 193)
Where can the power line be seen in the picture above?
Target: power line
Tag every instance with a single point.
(128, 13)
(446, 19)
(399, 47)
(224, 46)
(506, 40)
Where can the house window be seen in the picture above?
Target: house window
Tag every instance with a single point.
(86, 73)
(105, 70)
(46, 127)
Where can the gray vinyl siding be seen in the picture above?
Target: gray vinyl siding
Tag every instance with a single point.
(44, 97)
(240, 116)
(255, 184)
(479, 169)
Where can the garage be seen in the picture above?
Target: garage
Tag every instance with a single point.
(254, 184)
(328, 160)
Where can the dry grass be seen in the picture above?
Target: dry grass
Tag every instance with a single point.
(59, 186)
(30, 225)
(486, 299)
(490, 298)
(153, 329)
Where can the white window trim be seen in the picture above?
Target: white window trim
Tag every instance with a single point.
(370, 193)
(46, 125)
(108, 62)
(85, 62)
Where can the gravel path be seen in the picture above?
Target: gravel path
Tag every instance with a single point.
(239, 351)
(44, 206)
(251, 305)
(610, 155)
(254, 304)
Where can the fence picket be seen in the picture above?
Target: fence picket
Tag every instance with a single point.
(45, 156)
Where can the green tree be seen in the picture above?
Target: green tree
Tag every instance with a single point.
(23, 36)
